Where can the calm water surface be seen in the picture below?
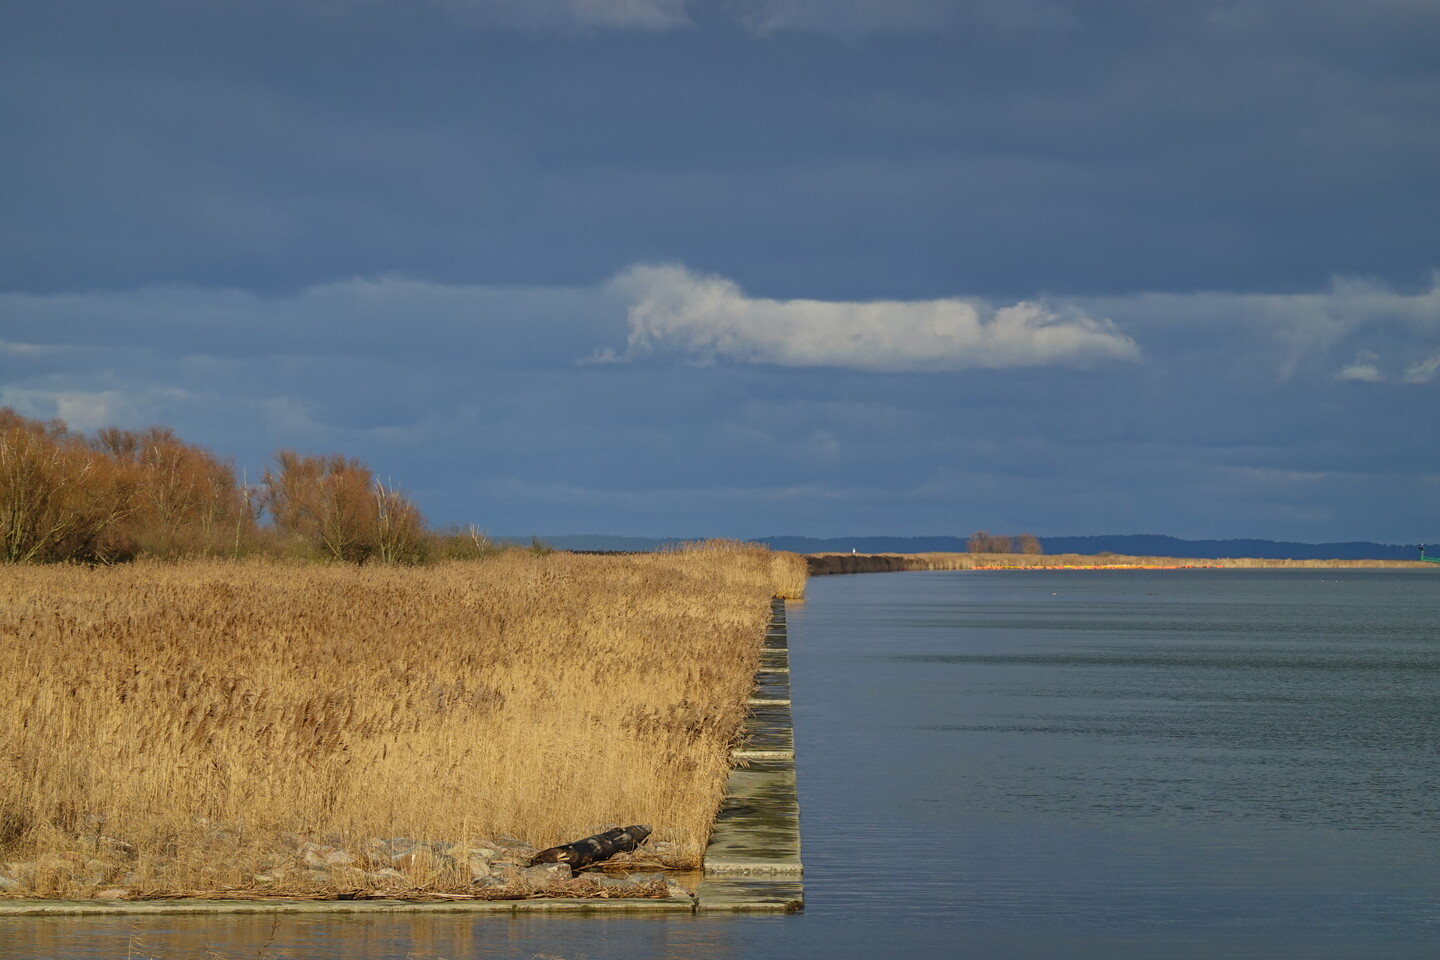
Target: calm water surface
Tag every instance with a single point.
(1050, 764)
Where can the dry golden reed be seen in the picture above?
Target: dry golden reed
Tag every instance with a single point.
(181, 723)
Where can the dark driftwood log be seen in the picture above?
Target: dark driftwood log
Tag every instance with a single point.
(602, 846)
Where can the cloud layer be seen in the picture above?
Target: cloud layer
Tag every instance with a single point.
(709, 319)
(472, 396)
(847, 18)
(650, 15)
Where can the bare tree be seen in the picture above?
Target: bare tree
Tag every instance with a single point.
(325, 501)
(399, 528)
(187, 500)
(59, 499)
(982, 542)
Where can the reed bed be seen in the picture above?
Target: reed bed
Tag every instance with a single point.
(179, 727)
(831, 563)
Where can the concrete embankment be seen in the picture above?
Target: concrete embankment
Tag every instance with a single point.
(821, 564)
(752, 863)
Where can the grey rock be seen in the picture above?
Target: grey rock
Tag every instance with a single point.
(338, 858)
(117, 848)
(323, 856)
(546, 872)
(22, 870)
(391, 849)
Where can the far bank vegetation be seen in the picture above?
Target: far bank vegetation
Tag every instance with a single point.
(983, 542)
(830, 563)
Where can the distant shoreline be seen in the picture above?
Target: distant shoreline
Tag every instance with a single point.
(822, 564)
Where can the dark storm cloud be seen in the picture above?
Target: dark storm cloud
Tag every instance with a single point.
(1119, 146)
(1072, 267)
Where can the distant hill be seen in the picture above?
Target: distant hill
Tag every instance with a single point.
(596, 541)
(1138, 545)
(868, 544)
(1152, 545)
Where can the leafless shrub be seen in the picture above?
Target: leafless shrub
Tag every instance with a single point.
(982, 542)
(186, 501)
(59, 499)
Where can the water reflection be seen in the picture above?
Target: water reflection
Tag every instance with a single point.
(422, 937)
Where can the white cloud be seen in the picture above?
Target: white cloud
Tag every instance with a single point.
(515, 488)
(841, 18)
(1362, 369)
(25, 349)
(653, 15)
(1272, 475)
(87, 410)
(1424, 371)
(850, 18)
(1366, 369)
(1293, 331)
(708, 319)
(641, 14)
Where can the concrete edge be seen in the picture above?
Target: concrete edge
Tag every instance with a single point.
(752, 864)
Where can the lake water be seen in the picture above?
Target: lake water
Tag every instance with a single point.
(1137, 764)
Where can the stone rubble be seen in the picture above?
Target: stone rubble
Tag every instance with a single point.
(398, 867)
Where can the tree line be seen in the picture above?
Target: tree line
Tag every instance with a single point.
(123, 494)
(982, 542)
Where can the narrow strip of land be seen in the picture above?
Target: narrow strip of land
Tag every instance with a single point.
(821, 564)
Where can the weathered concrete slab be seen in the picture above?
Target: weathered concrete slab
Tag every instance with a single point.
(752, 895)
(748, 755)
(772, 686)
(770, 735)
(752, 863)
(771, 659)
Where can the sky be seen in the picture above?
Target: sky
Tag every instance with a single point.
(743, 268)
